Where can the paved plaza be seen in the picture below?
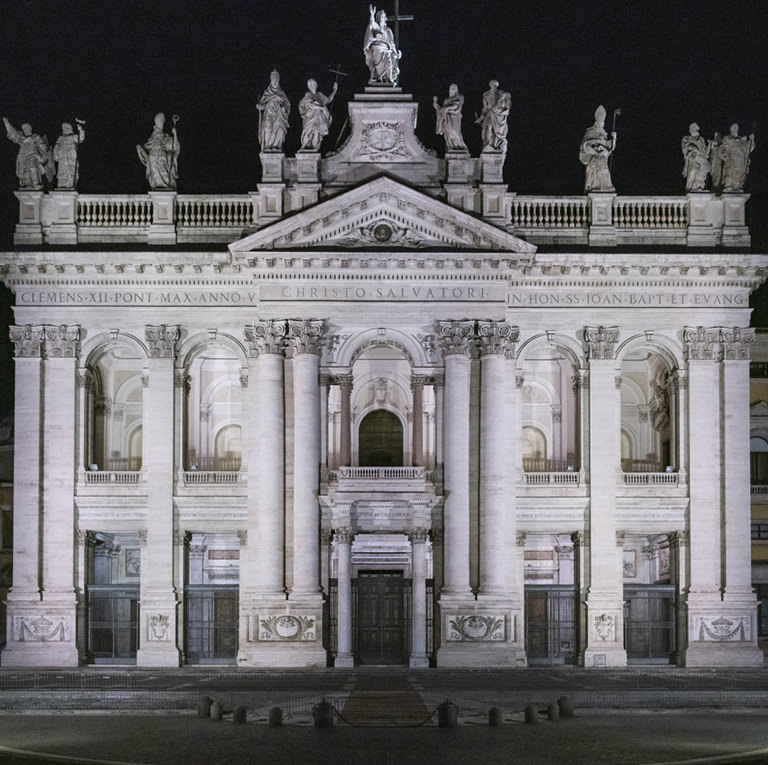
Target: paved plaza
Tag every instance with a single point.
(383, 716)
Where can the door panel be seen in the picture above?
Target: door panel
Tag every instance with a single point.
(380, 617)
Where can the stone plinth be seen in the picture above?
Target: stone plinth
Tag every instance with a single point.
(162, 230)
(60, 217)
(29, 229)
(735, 231)
(602, 232)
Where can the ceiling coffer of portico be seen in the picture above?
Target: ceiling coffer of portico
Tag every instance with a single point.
(382, 214)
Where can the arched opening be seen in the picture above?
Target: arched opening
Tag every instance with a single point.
(380, 440)
(534, 448)
(758, 457)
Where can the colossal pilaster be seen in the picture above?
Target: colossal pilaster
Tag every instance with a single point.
(344, 656)
(159, 599)
(418, 538)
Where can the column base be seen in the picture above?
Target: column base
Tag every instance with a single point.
(419, 662)
(722, 634)
(158, 630)
(285, 634)
(40, 633)
(344, 661)
(480, 633)
(605, 631)
(153, 657)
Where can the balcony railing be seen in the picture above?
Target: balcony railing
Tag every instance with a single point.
(645, 479)
(113, 476)
(569, 478)
(179, 219)
(376, 473)
(196, 477)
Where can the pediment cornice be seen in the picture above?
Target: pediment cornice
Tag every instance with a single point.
(382, 214)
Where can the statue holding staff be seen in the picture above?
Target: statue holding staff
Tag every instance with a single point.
(381, 53)
(735, 151)
(493, 118)
(274, 108)
(316, 116)
(65, 155)
(32, 161)
(160, 155)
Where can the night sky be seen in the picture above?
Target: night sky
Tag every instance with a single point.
(664, 63)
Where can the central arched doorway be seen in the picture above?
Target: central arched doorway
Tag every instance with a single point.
(380, 442)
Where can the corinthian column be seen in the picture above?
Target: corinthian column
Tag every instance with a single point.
(344, 656)
(306, 340)
(417, 386)
(456, 337)
(345, 389)
(496, 342)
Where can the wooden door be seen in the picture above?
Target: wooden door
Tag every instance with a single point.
(380, 617)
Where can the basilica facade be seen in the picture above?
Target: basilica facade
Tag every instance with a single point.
(383, 410)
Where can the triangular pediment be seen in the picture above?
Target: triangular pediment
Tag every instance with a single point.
(382, 214)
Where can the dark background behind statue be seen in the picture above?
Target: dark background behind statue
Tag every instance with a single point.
(117, 64)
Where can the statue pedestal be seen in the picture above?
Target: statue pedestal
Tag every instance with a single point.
(162, 230)
(272, 166)
(60, 216)
(493, 166)
(602, 232)
(307, 166)
(461, 168)
(735, 231)
(705, 219)
(29, 229)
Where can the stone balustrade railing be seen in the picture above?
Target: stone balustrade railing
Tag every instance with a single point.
(569, 478)
(212, 476)
(164, 217)
(376, 473)
(645, 479)
(114, 476)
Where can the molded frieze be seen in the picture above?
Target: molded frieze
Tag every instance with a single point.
(287, 627)
(265, 337)
(475, 628)
(162, 340)
(41, 629)
(722, 629)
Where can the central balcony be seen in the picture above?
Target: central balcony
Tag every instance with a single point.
(380, 479)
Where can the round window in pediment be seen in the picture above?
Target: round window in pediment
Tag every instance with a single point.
(382, 232)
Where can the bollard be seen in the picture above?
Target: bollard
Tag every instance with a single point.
(447, 715)
(323, 714)
(239, 715)
(531, 714)
(204, 707)
(566, 706)
(553, 711)
(496, 716)
(216, 711)
(275, 717)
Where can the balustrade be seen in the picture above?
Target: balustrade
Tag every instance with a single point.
(645, 479)
(114, 476)
(650, 212)
(550, 212)
(570, 478)
(102, 211)
(212, 476)
(214, 211)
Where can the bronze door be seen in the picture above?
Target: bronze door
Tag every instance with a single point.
(380, 617)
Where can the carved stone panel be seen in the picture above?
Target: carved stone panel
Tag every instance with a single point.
(41, 629)
(476, 628)
(722, 629)
(287, 627)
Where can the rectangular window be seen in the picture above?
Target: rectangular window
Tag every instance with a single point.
(760, 531)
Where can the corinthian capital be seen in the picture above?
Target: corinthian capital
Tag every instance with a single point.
(601, 341)
(736, 342)
(497, 338)
(265, 337)
(61, 342)
(306, 335)
(701, 343)
(456, 337)
(27, 340)
(162, 340)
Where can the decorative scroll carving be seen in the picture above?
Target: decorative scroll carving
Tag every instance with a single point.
(736, 343)
(418, 381)
(162, 340)
(476, 628)
(456, 337)
(287, 627)
(496, 338)
(700, 343)
(601, 341)
(381, 233)
(265, 337)
(61, 342)
(27, 340)
(158, 628)
(305, 336)
(418, 536)
(605, 627)
(41, 629)
(429, 345)
(722, 629)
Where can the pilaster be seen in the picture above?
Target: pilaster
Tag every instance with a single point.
(159, 599)
(604, 595)
(418, 658)
(344, 656)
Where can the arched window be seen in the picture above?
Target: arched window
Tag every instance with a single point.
(758, 448)
(380, 440)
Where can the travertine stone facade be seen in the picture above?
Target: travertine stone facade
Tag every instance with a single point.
(384, 428)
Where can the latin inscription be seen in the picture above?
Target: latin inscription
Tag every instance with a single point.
(540, 299)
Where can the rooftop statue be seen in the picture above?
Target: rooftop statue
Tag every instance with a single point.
(32, 161)
(716, 163)
(381, 53)
(274, 108)
(449, 119)
(595, 149)
(316, 116)
(696, 150)
(493, 118)
(160, 155)
(735, 151)
(65, 155)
